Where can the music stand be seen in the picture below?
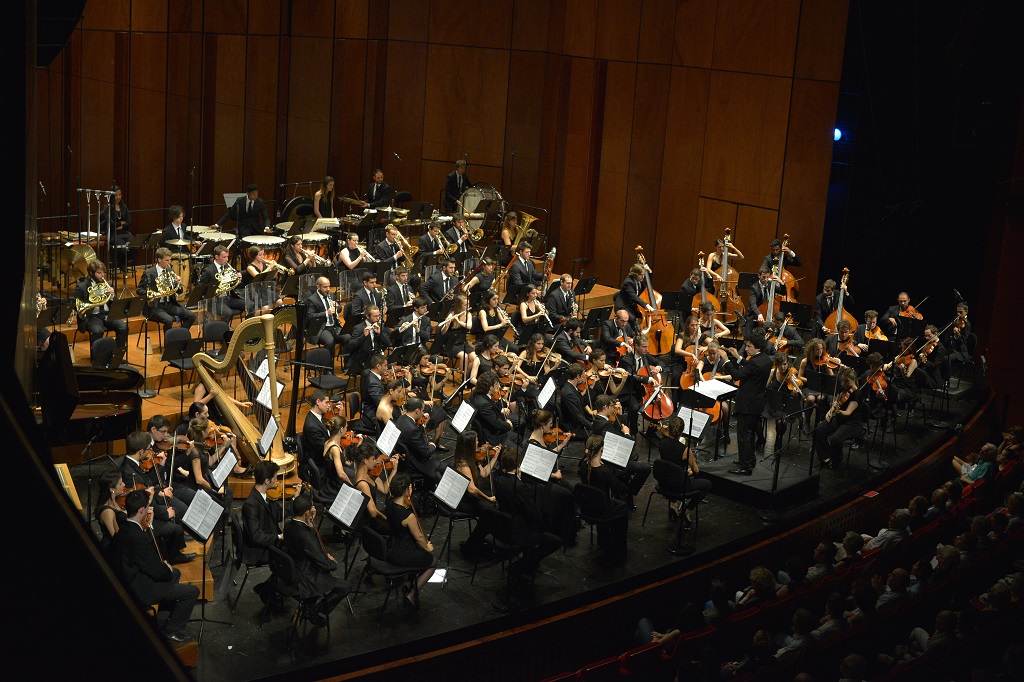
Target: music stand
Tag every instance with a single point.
(512, 294)
(595, 316)
(179, 350)
(200, 292)
(672, 300)
(887, 349)
(582, 288)
(909, 326)
(152, 244)
(746, 280)
(47, 318)
(801, 312)
(291, 287)
(395, 315)
(137, 242)
(420, 210)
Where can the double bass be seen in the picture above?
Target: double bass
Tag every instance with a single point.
(702, 298)
(841, 313)
(656, 326)
(730, 303)
(791, 283)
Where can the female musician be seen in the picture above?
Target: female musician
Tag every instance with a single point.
(611, 534)
(709, 324)
(846, 419)
(323, 200)
(531, 312)
(201, 395)
(109, 512)
(482, 282)
(204, 458)
(478, 471)
(409, 546)
(710, 363)
(714, 262)
(904, 384)
(687, 349)
(509, 227)
(675, 449)
(608, 381)
(452, 333)
(336, 472)
(366, 458)
(555, 499)
(257, 266)
(542, 422)
(783, 380)
(424, 382)
(352, 255)
(486, 350)
(494, 320)
(118, 220)
(533, 363)
(812, 362)
(880, 390)
(295, 258)
(394, 396)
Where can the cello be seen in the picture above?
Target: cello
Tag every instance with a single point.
(730, 303)
(657, 403)
(656, 326)
(702, 298)
(841, 313)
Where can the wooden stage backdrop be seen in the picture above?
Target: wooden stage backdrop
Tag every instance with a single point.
(657, 123)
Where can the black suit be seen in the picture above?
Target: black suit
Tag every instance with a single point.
(771, 261)
(750, 400)
(556, 304)
(628, 296)
(169, 531)
(792, 336)
(416, 334)
(528, 525)
(259, 528)
(385, 251)
(320, 327)
(377, 195)
(420, 453)
(314, 568)
(171, 233)
(361, 346)
(427, 246)
(95, 320)
(493, 427)
(363, 298)
(688, 289)
(523, 272)
(149, 579)
(610, 334)
(399, 298)
(314, 435)
(166, 309)
(370, 393)
(758, 294)
(232, 300)
(632, 363)
(569, 348)
(453, 189)
(823, 307)
(453, 234)
(250, 221)
(574, 417)
(434, 287)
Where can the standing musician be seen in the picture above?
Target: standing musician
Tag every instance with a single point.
(480, 283)
(845, 420)
(422, 454)
(494, 320)
(574, 415)
(752, 373)
(633, 362)
(351, 256)
(315, 431)
(388, 250)
(94, 320)
(147, 576)
(368, 296)
(785, 382)
(959, 331)
(616, 333)
(825, 304)
(318, 589)
(323, 199)
(890, 318)
(932, 356)
(523, 271)
(492, 417)
(119, 219)
(454, 185)
(378, 193)
(442, 283)
(759, 292)
(257, 266)
(628, 296)
(458, 234)
(570, 346)
(841, 344)
(691, 285)
(250, 213)
(259, 523)
(429, 243)
(772, 259)
(296, 258)
(794, 343)
(714, 260)
(400, 294)
(164, 309)
(415, 327)
(323, 325)
(230, 302)
(176, 230)
(709, 324)
(869, 330)
(369, 337)
(561, 300)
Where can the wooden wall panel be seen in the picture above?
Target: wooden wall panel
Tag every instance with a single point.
(176, 181)
(571, 192)
(308, 113)
(532, 27)
(676, 243)
(403, 110)
(822, 27)
(232, 16)
(408, 20)
(471, 23)
(618, 30)
(261, 97)
(812, 119)
(746, 137)
(181, 17)
(225, 119)
(97, 107)
(650, 112)
(312, 18)
(107, 15)
(611, 251)
(146, 133)
(347, 107)
(756, 37)
(713, 217)
(264, 18)
(755, 230)
(374, 98)
(580, 35)
(694, 33)
(657, 29)
(524, 125)
(352, 17)
(149, 15)
(684, 133)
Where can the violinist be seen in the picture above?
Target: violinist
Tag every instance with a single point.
(711, 363)
(783, 380)
(319, 590)
(492, 419)
(904, 383)
(611, 532)
(139, 469)
(486, 350)
(415, 328)
(958, 335)
(512, 393)
(561, 300)
(164, 445)
(366, 459)
(554, 496)
(691, 285)
(337, 470)
(109, 512)
(674, 449)
(606, 409)
(752, 373)
(314, 429)
(616, 334)
(529, 530)
(890, 318)
(687, 349)
(570, 396)
(533, 362)
(794, 343)
(841, 345)
(776, 249)
(476, 464)
(846, 419)
(394, 397)
(879, 389)
(259, 523)
(633, 363)
(570, 346)
(424, 382)
(932, 356)
(494, 320)
(609, 380)
(422, 454)
(815, 360)
(868, 331)
(759, 292)
(409, 546)
(709, 324)
(203, 458)
(628, 296)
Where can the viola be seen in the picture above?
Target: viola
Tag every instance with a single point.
(878, 383)
(589, 379)
(838, 404)
(219, 435)
(169, 443)
(350, 438)
(486, 452)
(926, 350)
(120, 499)
(875, 333)
(617, 372)
(827, 361)
(793, 381)
(849, 347)
(911, 311)
(556, 437)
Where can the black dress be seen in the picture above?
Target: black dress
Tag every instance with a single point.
(324, 206)
(421, 384)
(119, 515)
(382, 527)
(202, 454)
(503, 343)
(404, 551)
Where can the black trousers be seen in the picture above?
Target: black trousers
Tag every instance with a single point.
(98, 325)
(830, 436)
(165, 313)
(746, 432)
(176, 601)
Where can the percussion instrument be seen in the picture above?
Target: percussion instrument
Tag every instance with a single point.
(271, 245)
(297, 207)
(182, 267)
(472, 197)
(198, 229)
(178, 242)
(316, 242)
(216, 237)
(283, 228)
(76, 259)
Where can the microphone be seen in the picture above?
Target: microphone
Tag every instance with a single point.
(70, 153)
(42, 187)
(465, 157)
(397, 156)
(958, 296)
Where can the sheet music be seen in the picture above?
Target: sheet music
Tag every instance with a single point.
(267, 439)
(713, 388)
(538, 463)
(347, 505)
(452, 487)
(546, 392)
(387, 440)
(264, 369)
(264, 395)
(462, 416)
(202, 515)
(700, 420)
(227, 462)
(617, 449)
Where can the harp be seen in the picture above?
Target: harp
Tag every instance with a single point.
(250, 336)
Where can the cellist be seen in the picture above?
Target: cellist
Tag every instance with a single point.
(633, 362)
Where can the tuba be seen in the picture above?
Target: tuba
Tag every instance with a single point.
(227, 279)
(523, 230)
(407, 250)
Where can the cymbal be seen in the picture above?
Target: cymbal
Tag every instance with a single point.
(178, 242)
(354, 202)
(77, 257)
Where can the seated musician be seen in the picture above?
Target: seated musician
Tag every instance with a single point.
(617, 333)
(889, 321)
(709, 324)
(570, 396)
(533, 315)
(323, 325)
(841, 344)
(845, 420)
(388, 407)
(536, 361)
(956, 338)
(636, 472)
(478, 493)
(368, 295)
(118, 220)
(146, 575)
(628, 296)
(366, 457)
(932, 356)
(378, 194)
(296, 258)
(338, 469)
(570, 346)
(415, 327)
(775, 252)
(424, 384)
(687, 349)
(458, 235)
(523, 270)
(320, 591)
(452, 332)
(94, 320)
(675, 449)
(869, 330)
(176, 231)
(369, 338)
(409, 546)
(791, 341)
(904, 378)
(422, 454)
(259, 523)
(814, 361)
(493, 319)
(429, 244)
(879, 393)
(633, 362)
(265, 300)
(509, 228)
(691, 286)
(351, 255)
(712, 366)
(529, 528)
(481, 283)
(203, 459)
(315, 431)
(613, 383)
(492, 420)
(230, 302)
(561, 300)
(611, 534)
(371, 389)
(388, 250)
(109, 513)
(400, 294)
(759, 292)
(164, 309)
(441, 284)
(824, 305)
(166, 446)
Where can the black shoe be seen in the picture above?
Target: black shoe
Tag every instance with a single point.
(741, 471)
(183, 557)
(441, 448)
(737, 462)
(315, 618)
(180, 637)
(264, 590)
(687, 523)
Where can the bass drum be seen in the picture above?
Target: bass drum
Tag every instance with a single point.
(297, 208)
(472, 197)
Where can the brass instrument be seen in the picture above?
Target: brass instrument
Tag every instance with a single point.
(474, 235)
(100, 294)
(408, 251)
(317, 258)
(274, 264)
(523, 230)
(227, 279)
(448, 247)
(575, 309)
(167, 284)
(40, 304)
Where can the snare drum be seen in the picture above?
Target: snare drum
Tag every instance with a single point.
(182, 266)
(317, 242)
(271, 245)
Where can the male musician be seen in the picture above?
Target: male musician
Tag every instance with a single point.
(232, 300)
(529, 529)
(442, 283)
(379, 193)
(570, 346)
(296, 258)
(824, 305)
(164, 309)
(561, 299)
(422, 454)
(95, 319)
(772, 259)
(932, 362)
(429, 243)
(523, 271)
(454, 185)
(314, 431)
(839, 342)
(259, 524)
(889, 321)
(400, 293)
(323, 325)
(416, 326)
(752, 373)
(957, 336)
(147, 576)
(794, 342)
(633, 363)
(369, 337)
(249, 212)
(176, 230)
(319, 590)
(759, 292)
(159, 430)
(843, 422)
(388, 250)
(860, 337)
(458, 234)
(616, 333)
(168, 510)
(492, 421)
(628, 296)
(691, 286)
(574, 417)
(368, 296)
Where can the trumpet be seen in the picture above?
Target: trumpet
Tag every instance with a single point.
(317, 258)
(366, 255)
(275, 264)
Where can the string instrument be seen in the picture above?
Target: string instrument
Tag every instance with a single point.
(793, 382)
(286, 491)
(658, 403)
(780, 340)
(791, 283)
(826, 361)
(767, 309)
(350, 438)
(392, 372)
(911, 311)
(926, 350)
(841, 313)
(589, 380)
(849, 347)
(486, 452)
(878, 383)
(179, 441)
(219, 435)
(556, 437)
(701, 298)
(838, 403)
(656, 326)
(383, 463)
(730, 303)
(875, 333)
(626, 347)
(120, 499)
(434, 369)
(959, 323)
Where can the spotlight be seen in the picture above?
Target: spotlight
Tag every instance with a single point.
(837, 135)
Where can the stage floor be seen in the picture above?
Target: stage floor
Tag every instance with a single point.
(244, 651)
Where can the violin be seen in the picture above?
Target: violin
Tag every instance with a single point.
(286, 491)
(350, 438)
(849, 347)
(926, 350)
(486, 452)
(392, 372)
(556, 437)
(826, 361)
(440, 369)
(384, 462)
(875, 333)
(911, 311)
(793, 381)
(958, 324)
(589, 379)
(120, 499)
(838, 404)
(617, 372)
(878, 383)
(170, 443)
(218, 436)
(422, 421)
(147, 463)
